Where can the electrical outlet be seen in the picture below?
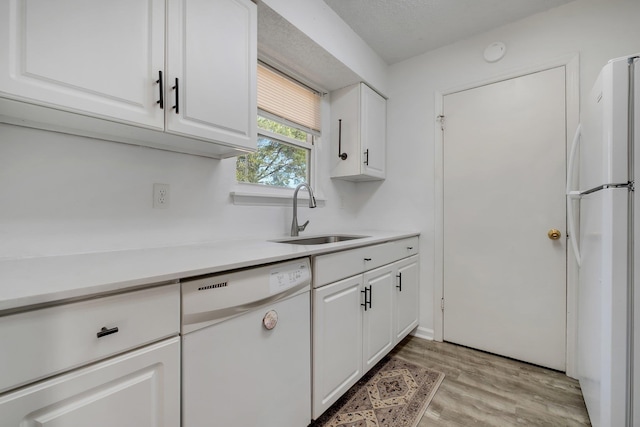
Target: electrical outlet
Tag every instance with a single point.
(160, 196)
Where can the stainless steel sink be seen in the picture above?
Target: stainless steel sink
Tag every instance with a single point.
(320, 240)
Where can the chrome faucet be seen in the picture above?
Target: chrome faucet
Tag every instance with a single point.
(295, 228)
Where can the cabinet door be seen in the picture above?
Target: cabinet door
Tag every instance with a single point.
(345, 132)
(211, 70)
(377, 324)
(407, 301)
(373, 116)
(96, 58)
(358, 127)
(337, 341)
(137, 389)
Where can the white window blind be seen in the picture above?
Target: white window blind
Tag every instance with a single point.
(287, 99)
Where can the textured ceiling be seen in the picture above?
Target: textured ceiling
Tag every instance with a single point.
(286, 48)
(400, 29)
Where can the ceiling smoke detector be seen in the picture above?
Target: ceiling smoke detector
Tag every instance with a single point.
(494, 52)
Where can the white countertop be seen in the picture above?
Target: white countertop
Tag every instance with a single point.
(32, 281)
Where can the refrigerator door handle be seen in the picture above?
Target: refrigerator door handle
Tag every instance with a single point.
(571, 195)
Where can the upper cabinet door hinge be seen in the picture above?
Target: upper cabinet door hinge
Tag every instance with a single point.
(440, 118)
(442, 304)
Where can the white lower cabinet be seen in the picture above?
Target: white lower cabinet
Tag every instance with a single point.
(337, 341)
(359, 319)
(138, 389)
(102, 362)
(407, 301)
(377, 324)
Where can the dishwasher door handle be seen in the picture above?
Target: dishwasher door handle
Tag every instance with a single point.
(191, 321)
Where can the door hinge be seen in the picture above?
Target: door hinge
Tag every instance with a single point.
(440, 118)
(442, 304)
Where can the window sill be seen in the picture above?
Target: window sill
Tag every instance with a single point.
(271, 197)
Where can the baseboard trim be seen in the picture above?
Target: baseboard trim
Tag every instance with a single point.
(424, 333)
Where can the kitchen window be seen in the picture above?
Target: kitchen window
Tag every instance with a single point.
(288, 128)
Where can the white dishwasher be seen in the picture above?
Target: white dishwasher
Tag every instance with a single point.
(246, 347)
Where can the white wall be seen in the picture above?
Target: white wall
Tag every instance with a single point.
(66, 194)
(597, 30)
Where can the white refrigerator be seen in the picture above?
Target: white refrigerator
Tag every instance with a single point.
(605, 245)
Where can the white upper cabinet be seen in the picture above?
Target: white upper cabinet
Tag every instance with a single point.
(358, 134)
(99, 69)
(212, 60)
(98, 58)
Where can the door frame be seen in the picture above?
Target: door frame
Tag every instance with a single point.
(572, 96)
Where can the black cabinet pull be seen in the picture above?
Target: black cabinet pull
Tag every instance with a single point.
(366, 290)
(177, 106)
(159, 81)
(367, 259)
(399, 285)
(409, 248)
(104, 331)
(370, 295)
(342, 155)
(366, 153)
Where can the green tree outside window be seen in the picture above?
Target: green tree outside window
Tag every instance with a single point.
(275, 162)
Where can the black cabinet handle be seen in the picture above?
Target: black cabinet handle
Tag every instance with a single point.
(159, 81)
(177, 106)
(342, 155)
(366, 290)
(366, 153)
(370, 295)
(104, 331)
(367, 259)
(409, 248)
(399, 285)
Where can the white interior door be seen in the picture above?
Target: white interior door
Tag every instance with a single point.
(504, 179)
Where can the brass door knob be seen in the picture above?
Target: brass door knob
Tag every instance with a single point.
(554, 234)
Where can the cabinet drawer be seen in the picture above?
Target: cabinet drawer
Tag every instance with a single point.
(389, 252)
(338, 265)
(406, 247)
(43, 342)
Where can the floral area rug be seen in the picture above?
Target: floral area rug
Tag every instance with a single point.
(394, 393)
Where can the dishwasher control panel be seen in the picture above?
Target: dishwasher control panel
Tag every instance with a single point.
(286, 276)
(212, 299)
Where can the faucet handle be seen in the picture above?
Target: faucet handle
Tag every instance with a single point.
(303, 226)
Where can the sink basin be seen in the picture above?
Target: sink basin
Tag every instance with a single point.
(320, 240)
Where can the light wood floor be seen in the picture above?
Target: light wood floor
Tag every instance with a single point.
(482, 389)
